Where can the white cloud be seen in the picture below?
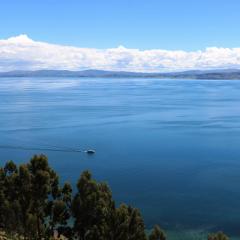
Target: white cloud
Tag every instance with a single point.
(22, 53)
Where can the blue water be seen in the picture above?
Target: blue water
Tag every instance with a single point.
(169, 147)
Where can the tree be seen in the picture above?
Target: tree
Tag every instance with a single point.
(61, 211)
(92, 209)
(128, 224)
(9, 198)
(32, 204)
(24, 186)
(218, 236)
(45, 192)
(157, 234)
(2, 199)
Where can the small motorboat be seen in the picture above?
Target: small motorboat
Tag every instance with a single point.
(90, 151)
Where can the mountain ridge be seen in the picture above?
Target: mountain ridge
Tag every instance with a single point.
(191, 74)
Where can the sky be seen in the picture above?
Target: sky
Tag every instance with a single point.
(132, 35)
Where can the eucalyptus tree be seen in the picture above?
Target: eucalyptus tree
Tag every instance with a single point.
(92, 209)
(157, 234)
(218, 236)
(32, 203)
(33, 206)
(9, 198)
(129, 224)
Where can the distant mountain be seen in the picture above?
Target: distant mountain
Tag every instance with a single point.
(195, 74)
(66, 73)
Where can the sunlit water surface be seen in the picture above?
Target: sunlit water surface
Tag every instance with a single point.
(168, 147)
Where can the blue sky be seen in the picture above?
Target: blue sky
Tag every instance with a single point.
(126, 35)
(144, 24)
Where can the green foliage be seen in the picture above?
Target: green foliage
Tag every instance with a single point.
(33, 206)
(218, 236)
(31, 202)
(92, 209)
(157, 234)
(129, 224)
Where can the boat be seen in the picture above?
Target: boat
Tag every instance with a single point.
(90, 151)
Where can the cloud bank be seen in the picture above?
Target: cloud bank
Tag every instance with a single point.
(23, 53)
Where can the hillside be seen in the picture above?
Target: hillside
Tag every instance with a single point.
(213, 74)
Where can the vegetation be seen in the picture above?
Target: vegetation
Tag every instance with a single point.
(34, 206)
(218, 236)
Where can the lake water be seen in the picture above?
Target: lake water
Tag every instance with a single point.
(168, 147)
